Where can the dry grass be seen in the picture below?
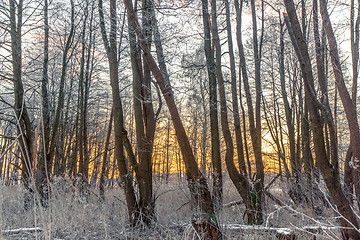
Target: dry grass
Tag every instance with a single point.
(69, 216)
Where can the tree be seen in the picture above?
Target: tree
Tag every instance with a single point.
(214, 127)
(104, 160)
(61, 95)
(43, 172)
(205, 222)
(111, 51)
(349, 176)
(254, 119)
(23, 122)
(144, 116)
(328, 172)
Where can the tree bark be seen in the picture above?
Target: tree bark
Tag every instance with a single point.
(214, 126)
(349, 174)
(295, 166)
(43, 166)
(22, 116)
(331, 178)
(144, 119)
(255, 127)
(111, 50)
(205, 222)
(104, 160)
(235, 103)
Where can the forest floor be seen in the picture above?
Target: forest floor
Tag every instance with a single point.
(70, 217)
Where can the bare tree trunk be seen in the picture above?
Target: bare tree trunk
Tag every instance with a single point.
(88, 70)
(144, 119)
(61, 97)
(147, 200)
(104, 160)
(235, 103)
(323, 86)
(208, 227)
(240, 181)
(259, 180)
(331, 178)
(72, 163)
(349, 105)
(354, 39)
(111, 50)
(214, 127)
(43, 168)
(82, 139)
(295, 166)
(61, 166)
(23, 120)
(167, 150)
(255, 127)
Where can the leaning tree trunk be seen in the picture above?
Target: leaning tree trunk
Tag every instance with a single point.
(348, 218)
(349, 105)
(349, 176)
(205, 221)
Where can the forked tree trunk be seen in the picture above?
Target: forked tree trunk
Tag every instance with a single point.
(147, 199)
(23, 125)
(320, 66)
(144, 119)
(240, 181)
(256, 139)
(255, 127)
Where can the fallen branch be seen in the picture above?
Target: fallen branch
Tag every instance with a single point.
(20, 230)
(316, 229)
(281, 233)
(285, 231)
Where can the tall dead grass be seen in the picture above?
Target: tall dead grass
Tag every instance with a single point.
(71, 216)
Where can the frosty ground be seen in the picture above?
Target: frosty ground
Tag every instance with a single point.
(69, 216)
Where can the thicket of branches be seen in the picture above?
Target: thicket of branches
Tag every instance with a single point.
(132, 92)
